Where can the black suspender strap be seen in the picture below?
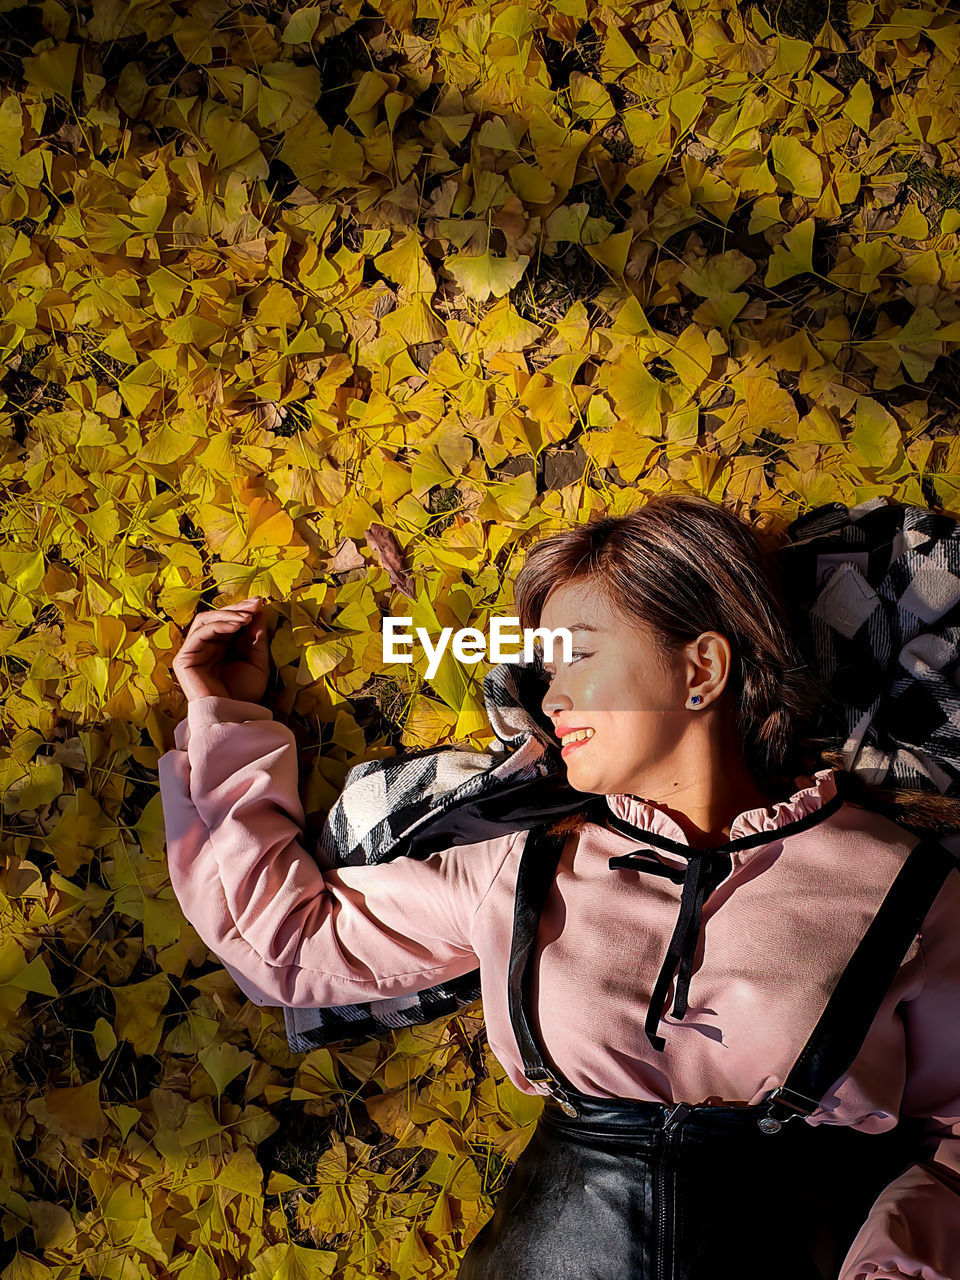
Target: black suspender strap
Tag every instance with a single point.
(839, 1034)
(538, 866)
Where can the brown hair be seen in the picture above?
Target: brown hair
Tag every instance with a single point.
(681, 565)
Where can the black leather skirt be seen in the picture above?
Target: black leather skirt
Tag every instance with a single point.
(648, 1191)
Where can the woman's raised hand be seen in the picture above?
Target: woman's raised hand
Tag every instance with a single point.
(225, 654)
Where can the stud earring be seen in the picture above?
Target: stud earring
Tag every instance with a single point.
(696, 698)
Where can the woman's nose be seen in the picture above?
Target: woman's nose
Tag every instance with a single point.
(553, 700)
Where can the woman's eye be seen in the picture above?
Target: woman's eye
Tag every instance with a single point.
(574, 654)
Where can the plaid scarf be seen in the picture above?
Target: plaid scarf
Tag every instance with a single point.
(874, 601)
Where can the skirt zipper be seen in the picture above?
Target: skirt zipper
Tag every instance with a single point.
(666, 1243)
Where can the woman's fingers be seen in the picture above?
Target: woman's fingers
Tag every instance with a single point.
(228, 619)
(213, 625)
(217, 626)
(228, 611)
(214, 616)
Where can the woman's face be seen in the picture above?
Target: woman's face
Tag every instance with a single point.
(618, 684)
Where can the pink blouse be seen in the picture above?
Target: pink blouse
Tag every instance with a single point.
(775, 937)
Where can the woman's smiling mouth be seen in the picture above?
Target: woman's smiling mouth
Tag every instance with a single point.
(576, 739)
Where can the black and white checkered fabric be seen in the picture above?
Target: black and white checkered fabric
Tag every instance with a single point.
(873, 593)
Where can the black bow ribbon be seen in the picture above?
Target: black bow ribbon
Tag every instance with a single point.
(705, 869)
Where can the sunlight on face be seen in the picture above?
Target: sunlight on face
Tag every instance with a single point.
(616, 683)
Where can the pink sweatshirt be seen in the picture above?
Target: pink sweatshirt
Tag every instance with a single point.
(774, 938)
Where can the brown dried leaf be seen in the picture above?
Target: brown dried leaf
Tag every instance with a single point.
(388, 550)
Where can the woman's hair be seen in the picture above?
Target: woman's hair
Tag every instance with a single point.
(681, 565)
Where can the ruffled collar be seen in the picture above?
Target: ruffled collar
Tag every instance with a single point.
(813, 792)
(816, 798)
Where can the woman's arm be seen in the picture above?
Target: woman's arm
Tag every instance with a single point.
(913, 1229)
(289, 933)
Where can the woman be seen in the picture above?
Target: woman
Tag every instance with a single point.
(750, 1126)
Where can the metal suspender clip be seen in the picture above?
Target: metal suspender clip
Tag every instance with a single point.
(771, 1122)
(539, 1075)
(676, 1116)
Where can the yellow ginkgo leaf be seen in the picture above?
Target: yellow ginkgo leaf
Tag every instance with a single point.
(192, 38)
(722, 273)
(52, 70)
(613, 251)
(623, 446)
(294, 89)
(278, 307)
(917, 343)
(302, 25)
(769, 406)
(494, 133)
(566, 222)
(224, 1062)
(369, 90)
(798, 165)
(876, 434)
(483, 276)
(635, 391)
(531, 183)
(440, 1220)
(290, 1261)
(11, 132)
(104, 1039)
(685, 107)
(912, 224)
(73, 1111)
(195, 329)
(140, 1007)
(617, 56)
(23, 570)
(721, 311)
(589, 100)
(231, 139)
(794, 255)
(859, 105)
(503, 329)
(692, 357)
(414, 322)
(427, 722)
(405, 263)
